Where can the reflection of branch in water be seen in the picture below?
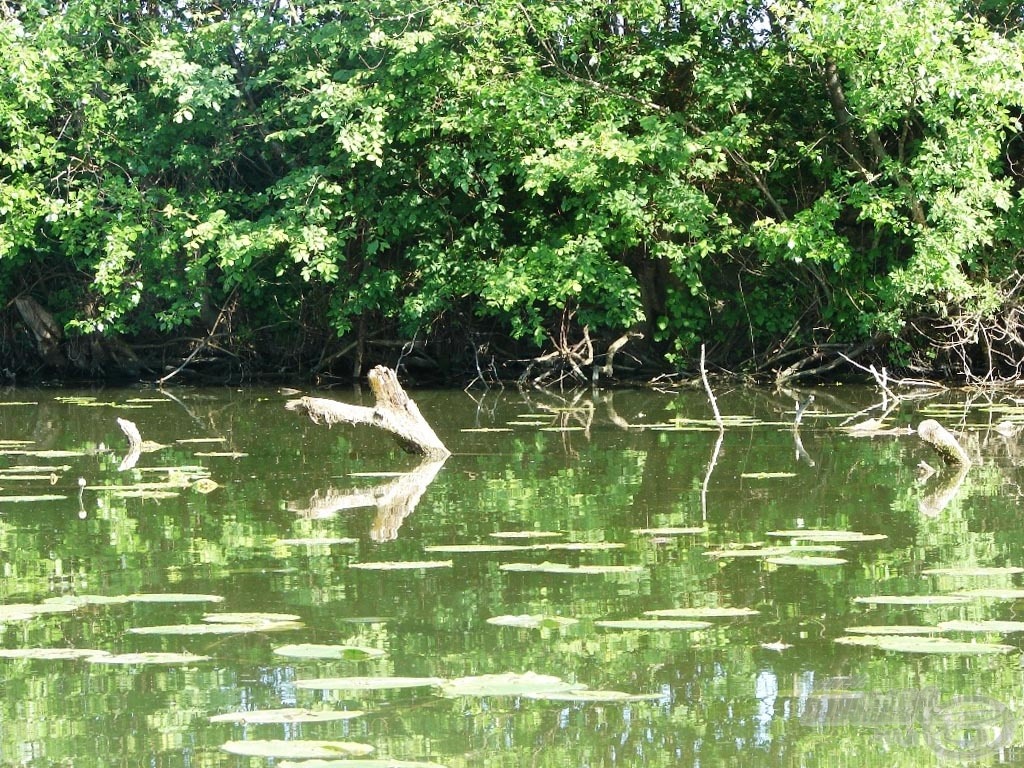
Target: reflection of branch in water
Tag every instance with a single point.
(707, 476)
(395, 500)
(801, 453)
(947, 486)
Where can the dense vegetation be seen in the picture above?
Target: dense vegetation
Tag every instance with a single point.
(312, 186)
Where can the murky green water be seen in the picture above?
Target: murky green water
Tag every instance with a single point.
(636, 513)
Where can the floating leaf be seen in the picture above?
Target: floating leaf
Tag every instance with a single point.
(669, 531)
(506, 684)
(359, 763)
(653, 624)
(50, 654)
(806, 561)
(222, 454)
(313, 541)
(190, 440)
(147, 658)
(990, 625)
(471, 548)
(532, 621)
(968, 570)
(766, 475)
(830, 536)
(400, 565)
(587, 695)
(288, 715)
(37, 497)
(913, 599)
(485, 429)
(994, 593)
(524, 534)
(910, 644)
(205, 485)
(250, 618)
(297, 749)
(703, 613)
(28, 611)
(314, 651)
(893, 629)
(572, 569)
(579, 546)
(173, 597)
(367, 683)
(772, 551)
(217, 629)
(77, 601)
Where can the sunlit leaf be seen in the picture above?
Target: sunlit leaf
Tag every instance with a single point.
(315, 651)
(525, 534)
(969, 570)
(989, 625)
(205, 485)
(766, 475)
(249, 617)
(402, 565)
(48, 654)
(772, 551)
(669, 531)
(173, 597)
(915, 644)
(532, 621)
(222, 454)
(588, 695)
(217, 629)
(806, 561)
(296, 748)
(288, 715)
(36, 497)
(28, 611)
(367, 683)
(703, 613)
(656, 625)
(579, 546)
(314, 541)
(912, 599)
(506, 684)
(893, 629)
(572, 569)
(360, 763)
(147, 658)
(472, 548)
(828, 535)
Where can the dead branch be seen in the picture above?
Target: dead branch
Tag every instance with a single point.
(394, 412)
(942, 440)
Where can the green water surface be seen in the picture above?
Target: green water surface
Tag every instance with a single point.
(608, 506)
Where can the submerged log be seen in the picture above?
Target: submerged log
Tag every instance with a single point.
(394, 412)
(942, 440)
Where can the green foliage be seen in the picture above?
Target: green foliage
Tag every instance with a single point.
(779, 173)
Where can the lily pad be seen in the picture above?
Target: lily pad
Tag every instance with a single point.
(654, 624)
(532, 621)
(402, 565)
(893, 629)
(249, 618)
(147, 658)
(173, 597)
(297, 749)
(359, 763)
(968, 571)
(766, 475)
(914, 644)
(205, 628)
(367, 683)
(669, 531)
(702, 613)
(31, 497)
(579, 546)
(830, 536)
(507, 684)
(994, 593)
(525, 534)
(315, 651)
(471, 548)
(572, 569)
(287, 715)
(77, 601)
(806, 561)
(587, 695)
(50, 654)
(990, 625)
(313, 541)
(28, 611)
(205, 485)
(913, 599)
(773, 551)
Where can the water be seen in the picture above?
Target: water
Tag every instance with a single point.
(769, 689)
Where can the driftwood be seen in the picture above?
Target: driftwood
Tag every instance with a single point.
(395, 500)
(942, 440)
(394, 412)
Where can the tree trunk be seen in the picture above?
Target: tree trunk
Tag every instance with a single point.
(394, 412)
